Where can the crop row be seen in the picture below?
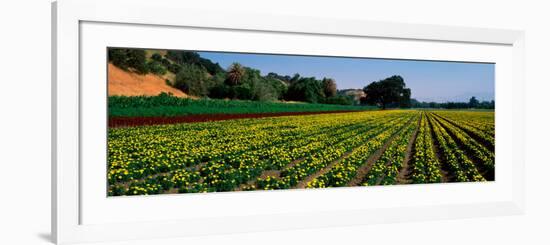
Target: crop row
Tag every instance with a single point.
(481, 154)
(310, 151)
(425, 166)
(168, 106)
(385, 170)
(476, 124)
(219, 173)
(227, 175)
(343, 172)
(321, 157)
(463, 169)
(239, 166)
(143, 151)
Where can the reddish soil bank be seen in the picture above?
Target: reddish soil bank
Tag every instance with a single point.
(140, 121)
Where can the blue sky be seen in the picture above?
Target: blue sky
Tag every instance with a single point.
(428, 80)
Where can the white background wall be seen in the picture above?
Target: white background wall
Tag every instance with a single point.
(25, 122)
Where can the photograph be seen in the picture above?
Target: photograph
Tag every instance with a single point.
(192, 121)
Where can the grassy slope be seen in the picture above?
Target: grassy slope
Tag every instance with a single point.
(171, 106)
(121, 82)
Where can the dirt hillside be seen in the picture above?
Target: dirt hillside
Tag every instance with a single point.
(122, 82)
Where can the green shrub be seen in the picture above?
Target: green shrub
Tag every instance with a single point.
(156, 67)
(174, 68)
(339, 100)
(192, 79)
(156, 57)
(165, 62)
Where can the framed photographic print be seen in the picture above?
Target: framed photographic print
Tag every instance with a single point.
(179, 122)
(168, 125)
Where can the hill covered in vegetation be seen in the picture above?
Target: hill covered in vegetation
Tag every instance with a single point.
(199, 77)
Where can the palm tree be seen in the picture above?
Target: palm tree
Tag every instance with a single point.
(235, 74)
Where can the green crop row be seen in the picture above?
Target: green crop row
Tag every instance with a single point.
(426, 167)
(310, 151)
(463, 168)
(225, 154)
(471, 146)
(167, 106)
(345, 170)
(387, 167)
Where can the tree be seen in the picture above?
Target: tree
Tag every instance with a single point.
(156, 67)
(235, 73)
(118, 57)
(134, 59)
(306, 89)
(295, 78)
(189, 57)
(174, 68)
(474, 103)
(192, 79)
(285, 79)
(388, 91)
(137, 60)
(329, 87)
(269, 88)
(405, 99)
(263, 91)
(156, 57)
(183, 57)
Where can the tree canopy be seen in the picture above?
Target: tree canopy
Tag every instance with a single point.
(235, 74)
(329, 87)
(189, 57)
(126, 59)
(306, 89)
(472, 104)
(192, 80)
(391, 90)
(202, 77)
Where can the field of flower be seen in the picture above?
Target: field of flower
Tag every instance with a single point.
(309, 151)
